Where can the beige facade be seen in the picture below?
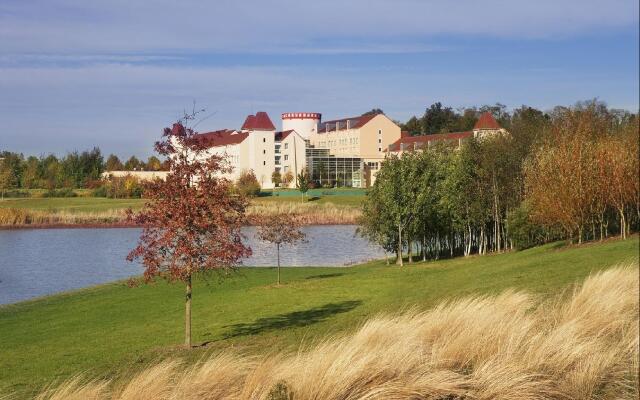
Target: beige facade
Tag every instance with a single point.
(290, 154)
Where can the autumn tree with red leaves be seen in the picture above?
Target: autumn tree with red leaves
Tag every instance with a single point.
(280, 229)
(191, 220)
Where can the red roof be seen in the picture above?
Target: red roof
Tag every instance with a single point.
(222, 137)
(282, 135)
(258, 122)
(486, 121)
(419, 141)
(340, 124)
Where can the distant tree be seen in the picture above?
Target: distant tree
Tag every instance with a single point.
(132, 164)
(413, 126)
(5, 178)
(374, 111)
(303, 183)
(280, 229)
(153, 164)
(192, 221)
(113, 163)
(438, 119)
(92, 164)
(247, 184)
(32, 173)
(11, 167)
(276, 178)
(52, 172)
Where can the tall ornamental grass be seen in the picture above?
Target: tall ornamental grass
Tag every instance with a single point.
(580, 345)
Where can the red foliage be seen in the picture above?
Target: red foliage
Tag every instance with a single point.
(191, 221)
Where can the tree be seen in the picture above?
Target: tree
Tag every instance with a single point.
(303, 183)
(247, 184)
(276, 178)
(373, 111)
(438, 119)
(132, 164)
(113, 163)
(191, 220)
(413, 126)
(287, 178)
(153, 164)
(280, 229)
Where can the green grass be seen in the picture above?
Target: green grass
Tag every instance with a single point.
(71, 204)
(111, 330)
(98, 204)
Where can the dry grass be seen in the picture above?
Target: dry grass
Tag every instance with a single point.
(17, 217)
(583, 345)
(309, 214)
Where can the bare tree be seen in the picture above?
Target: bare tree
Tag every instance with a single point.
(280, 229)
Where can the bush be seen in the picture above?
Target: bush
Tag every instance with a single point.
(122, 187)
(17, 193)
(64, 192)
(99, 192)
(524, 232)
(248, 185)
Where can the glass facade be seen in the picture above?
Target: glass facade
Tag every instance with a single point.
(327, 170)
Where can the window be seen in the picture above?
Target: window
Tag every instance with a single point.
(379, 148)
(264, 163)
(379, 140)
(379, 131)
(286, 145)
(264, 140)
(286, 157)
(264, 152)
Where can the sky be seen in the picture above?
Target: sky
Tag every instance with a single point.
(76, 74)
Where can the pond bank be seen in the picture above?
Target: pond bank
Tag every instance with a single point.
(310, 213)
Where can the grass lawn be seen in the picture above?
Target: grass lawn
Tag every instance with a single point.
(98, 204)
(112, 330)
(71, 204)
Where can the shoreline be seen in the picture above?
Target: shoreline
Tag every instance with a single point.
(115, 225)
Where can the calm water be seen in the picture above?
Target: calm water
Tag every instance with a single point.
(38, 262)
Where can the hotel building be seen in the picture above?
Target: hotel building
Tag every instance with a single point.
(345, 152)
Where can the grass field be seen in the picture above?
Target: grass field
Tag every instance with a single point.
(96, 204)
(112, 330)
(71, 204)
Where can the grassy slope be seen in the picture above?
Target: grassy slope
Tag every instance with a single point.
(112, 329)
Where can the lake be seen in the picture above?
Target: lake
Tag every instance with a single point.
(38, 262)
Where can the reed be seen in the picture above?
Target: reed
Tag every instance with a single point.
(579, 345)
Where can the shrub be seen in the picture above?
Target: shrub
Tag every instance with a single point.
(64, 192)
(121, 187)
(247, 184)
(17, 193)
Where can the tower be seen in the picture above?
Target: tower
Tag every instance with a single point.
(305, 123)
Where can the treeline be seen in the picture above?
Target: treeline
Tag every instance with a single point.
(74, 170)
(441, 119)
(569, 173)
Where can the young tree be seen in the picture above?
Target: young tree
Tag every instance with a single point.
(192, 220)
(287, 178)
(247, 184)
(280, 229)
(276, 178)
(303, 183)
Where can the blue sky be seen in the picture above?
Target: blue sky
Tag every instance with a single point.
(74, 74)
